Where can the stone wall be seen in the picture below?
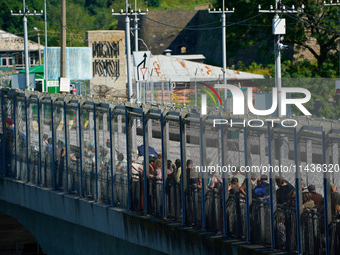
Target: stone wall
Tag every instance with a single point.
(108, 63)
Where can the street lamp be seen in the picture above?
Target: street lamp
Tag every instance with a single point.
(36, 29)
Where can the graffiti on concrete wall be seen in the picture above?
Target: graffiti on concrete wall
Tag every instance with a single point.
(109, 67)
(105, 60)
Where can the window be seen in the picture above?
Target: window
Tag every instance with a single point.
(6, 61)
(183, 50)
(19, 60)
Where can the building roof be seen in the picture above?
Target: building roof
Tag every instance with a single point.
(178, 70)
(12, 42)
(38, 70)
(190, 56)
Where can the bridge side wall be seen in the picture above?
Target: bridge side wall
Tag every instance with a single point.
(68, 225)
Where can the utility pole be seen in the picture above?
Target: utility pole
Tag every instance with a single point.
(335, 4)
(127, 13)
(36, 29)
(136, 27)
(279, 28)
(45, 54)
(26, 13)
(224, 47)
(63, 40)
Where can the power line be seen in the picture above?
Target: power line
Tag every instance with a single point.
(78, 27)
(7, 21)
(236, 23)
(311, 15)
(310, 23)
(219, 27)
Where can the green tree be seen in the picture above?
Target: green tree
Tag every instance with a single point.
(319, 26)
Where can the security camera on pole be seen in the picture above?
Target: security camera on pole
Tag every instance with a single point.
(279, 29)
(26, 13)
(224, 47)
(128, 12)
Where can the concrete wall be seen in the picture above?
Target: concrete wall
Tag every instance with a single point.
(65, 224)
(108, 58)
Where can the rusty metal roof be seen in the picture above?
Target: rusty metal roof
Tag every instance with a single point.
(163, 67)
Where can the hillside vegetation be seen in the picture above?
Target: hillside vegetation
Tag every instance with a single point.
(81, 15)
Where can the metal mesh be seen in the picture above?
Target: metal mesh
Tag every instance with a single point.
(194, 190)
(173, 185)
(89, 181)
(33, 133)
(120, 173)
(60, 160)
(155, 182)
(96, 182)
(21, 159)
(137, 179)
(74, 153)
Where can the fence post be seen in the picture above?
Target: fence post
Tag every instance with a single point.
(272, 191)
(112, 154)
(164, 141)
(28, 137)
(203, 162)
(3, 134)
(53, 147)
(128, 129)
(81, 148)
(247, 182)
(184, 185)
(67, 144)
(95, 118)
(225, 193)
(335, 157)
(327, 192)
(15, 118)
(146, 122)
(39, 106)
(298, 189)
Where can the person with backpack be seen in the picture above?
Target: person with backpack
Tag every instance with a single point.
(263, 189)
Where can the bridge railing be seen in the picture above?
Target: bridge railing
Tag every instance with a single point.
(96, 150)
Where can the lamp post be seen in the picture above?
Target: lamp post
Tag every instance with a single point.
(36, 29)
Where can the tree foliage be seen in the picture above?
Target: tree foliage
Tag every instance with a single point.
(318, 24)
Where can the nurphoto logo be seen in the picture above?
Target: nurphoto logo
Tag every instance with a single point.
(238, 105)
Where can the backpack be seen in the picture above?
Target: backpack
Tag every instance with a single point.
(266, 191)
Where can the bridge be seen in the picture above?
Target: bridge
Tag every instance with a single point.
(75, 173)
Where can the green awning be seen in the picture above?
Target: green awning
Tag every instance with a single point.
(35, 69)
